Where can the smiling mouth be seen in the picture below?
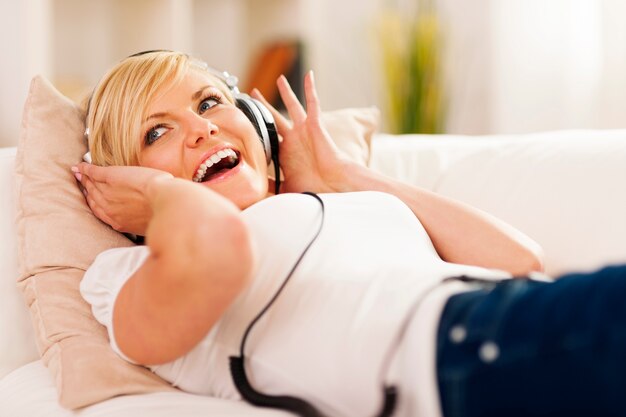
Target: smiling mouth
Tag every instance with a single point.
(216, 165)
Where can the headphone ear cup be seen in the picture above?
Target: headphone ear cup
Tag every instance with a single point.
(270, 125)
(262, 121)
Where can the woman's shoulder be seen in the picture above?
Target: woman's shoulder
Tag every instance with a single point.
(112, 265)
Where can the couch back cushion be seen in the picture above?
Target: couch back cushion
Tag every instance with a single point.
(565, 189)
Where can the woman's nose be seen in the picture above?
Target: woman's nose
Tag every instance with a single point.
(200, 129)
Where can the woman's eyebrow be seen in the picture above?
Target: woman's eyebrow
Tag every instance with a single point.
(198, 93)
(155, 116)
(194, 96)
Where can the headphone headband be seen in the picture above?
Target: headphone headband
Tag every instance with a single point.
(230, 80)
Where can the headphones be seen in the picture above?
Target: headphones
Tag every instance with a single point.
(259, 115)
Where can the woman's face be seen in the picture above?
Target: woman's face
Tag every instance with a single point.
(193, 132)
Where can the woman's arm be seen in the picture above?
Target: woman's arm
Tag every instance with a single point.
(460, 233)
(200, 259)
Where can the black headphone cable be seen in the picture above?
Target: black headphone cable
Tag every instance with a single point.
(286, 402)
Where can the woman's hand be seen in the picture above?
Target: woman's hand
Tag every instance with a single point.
(309, 158)
(118, 195)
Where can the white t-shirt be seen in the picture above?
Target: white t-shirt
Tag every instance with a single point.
(326, 336)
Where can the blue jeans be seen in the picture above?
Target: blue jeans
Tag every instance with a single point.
(526, 348)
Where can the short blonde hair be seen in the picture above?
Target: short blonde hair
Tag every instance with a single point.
(119, 102)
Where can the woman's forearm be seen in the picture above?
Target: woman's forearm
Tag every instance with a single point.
(459, 232)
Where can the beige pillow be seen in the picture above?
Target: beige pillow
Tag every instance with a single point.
(352, 130)
(58, 238)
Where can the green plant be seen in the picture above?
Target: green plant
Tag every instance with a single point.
(411, 47)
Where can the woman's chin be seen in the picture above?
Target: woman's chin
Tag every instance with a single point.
(243, 185)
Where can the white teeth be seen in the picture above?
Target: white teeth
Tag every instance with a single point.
(210, 161)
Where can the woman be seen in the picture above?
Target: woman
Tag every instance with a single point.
(178, 162)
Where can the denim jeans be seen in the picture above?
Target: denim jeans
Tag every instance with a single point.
(527, 348)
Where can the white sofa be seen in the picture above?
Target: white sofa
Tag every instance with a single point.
(565, 189)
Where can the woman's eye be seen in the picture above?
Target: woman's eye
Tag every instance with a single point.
(208, 103)
(154, 134)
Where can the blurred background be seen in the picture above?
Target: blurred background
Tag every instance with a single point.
(453, 66)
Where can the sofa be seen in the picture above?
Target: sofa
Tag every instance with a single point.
(565, 189)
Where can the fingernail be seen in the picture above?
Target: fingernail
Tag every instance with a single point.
(74, 168)
(312, 75)
(78, 176)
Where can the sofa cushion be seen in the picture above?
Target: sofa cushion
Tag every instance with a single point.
(58, 237)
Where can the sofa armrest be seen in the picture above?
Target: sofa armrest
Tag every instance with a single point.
(17, 342)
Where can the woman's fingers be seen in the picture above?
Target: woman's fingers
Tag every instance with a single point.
(93, 195)
(281, 122)
(100, 213)
(294, 108)
(89, 185)
(92, 192)
(94, 198)
(95, 172)
(312, 100)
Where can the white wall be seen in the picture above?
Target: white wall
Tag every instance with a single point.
(25, 49)
(91, 36)
(221, 34)
(339, 37)
(82, 44)
(611, 104)
(340, 42)
(512, 66)
(547, 64)
(557, 64)
(469, 56)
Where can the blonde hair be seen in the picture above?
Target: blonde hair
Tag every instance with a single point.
(119, 102)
